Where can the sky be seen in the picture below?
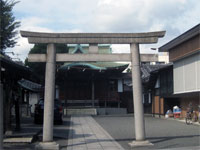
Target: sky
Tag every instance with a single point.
(112, 16)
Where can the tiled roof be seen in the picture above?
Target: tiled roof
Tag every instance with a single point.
(9, 64)
(148, 69)
(29, 85)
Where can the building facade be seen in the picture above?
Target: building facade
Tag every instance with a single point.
(91, 84)
(184, 52)
(102, 84)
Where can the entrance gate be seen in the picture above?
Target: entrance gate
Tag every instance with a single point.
(93, 39)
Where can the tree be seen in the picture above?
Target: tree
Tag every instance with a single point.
(38, 67)
(8, 25)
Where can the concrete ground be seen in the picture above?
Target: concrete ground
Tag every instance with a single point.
(28, 128)
(87, 134)
(164, 134)
(102, 132)
(76, 133)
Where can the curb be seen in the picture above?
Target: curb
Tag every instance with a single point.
(22, 139)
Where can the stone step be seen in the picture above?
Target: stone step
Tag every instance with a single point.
(80, 111)
(18, 140)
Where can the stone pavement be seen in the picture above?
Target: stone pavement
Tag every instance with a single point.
(86, 134)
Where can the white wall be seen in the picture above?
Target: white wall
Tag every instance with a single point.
(33, 99)
(187, 74)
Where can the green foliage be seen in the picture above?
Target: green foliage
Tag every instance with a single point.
(8, 24)
(39, 68)
(42, 48)
(39, 49)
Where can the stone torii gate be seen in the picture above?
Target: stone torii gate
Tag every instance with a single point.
(93, 39)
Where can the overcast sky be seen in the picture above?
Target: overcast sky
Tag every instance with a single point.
(174, 16)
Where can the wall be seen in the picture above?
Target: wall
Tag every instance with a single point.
(33, 99)
(187, 74)
(194, 98)
(166, 82)
(187, 48)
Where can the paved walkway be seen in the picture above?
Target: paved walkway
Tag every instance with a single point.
(86, 134)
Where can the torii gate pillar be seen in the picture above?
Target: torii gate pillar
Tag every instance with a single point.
(137, 93)
(137, 98)
(49, 96)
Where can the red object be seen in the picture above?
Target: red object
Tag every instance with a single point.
(177, 115)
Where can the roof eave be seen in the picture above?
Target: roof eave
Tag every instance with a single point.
(180, 39)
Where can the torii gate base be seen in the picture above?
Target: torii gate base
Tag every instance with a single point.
(140, 143)
(93, 39)
(47, 146)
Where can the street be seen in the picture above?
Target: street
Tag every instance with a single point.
(164, 134)
(161, 132)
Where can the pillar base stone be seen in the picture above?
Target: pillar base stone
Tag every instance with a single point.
(140, 143)
(47, 146)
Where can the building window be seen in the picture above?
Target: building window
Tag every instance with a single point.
(146, 98)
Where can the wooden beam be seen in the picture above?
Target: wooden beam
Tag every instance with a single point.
(90, 57)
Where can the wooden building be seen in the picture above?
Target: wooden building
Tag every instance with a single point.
(94, 84)
(184, 52)
(13, 93)
(162, 90)
(103, 84)
(157, 87)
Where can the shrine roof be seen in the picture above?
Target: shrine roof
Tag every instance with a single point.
(29, 85)
(95, 65)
